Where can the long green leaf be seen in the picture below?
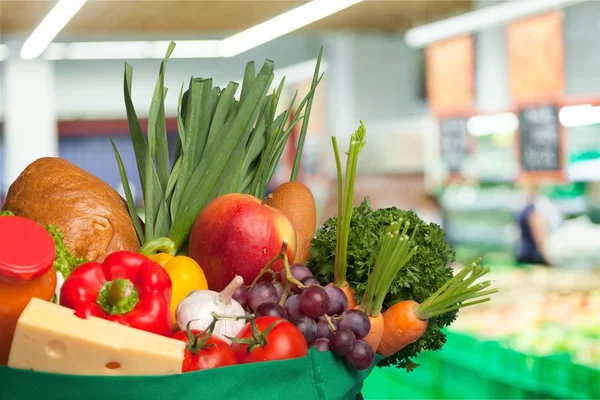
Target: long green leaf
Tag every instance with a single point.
(191, 125)
(211, 167)
(302, 137)
(152, 192)
(180, 129)
(128, 195)
(135, 129)
(206, 105)
(226, 100)
(180, 160)
(249, 76)
(163, 221)
(263, 161)
(162, 145)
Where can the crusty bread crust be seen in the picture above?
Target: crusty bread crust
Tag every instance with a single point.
(92, 215)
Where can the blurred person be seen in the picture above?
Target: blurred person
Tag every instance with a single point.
(537, 220)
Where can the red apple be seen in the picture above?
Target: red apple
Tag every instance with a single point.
(236, 234)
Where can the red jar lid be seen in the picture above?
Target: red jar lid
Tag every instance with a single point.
(27, 250)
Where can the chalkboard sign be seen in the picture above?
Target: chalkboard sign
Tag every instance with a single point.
(454, 142)
(539, 142)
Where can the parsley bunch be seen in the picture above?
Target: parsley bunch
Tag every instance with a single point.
(422, 276)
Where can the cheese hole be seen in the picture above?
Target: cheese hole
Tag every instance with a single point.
(56, 349)
(113, 365)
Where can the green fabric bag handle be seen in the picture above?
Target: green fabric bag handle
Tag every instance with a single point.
(318, 376)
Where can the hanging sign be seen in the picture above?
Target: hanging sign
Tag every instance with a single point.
(450, 70)
(535, 49)
(541, 143)
(454, 139)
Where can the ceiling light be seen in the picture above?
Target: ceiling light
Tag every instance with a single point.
(483, 18)
(580, 115)
(481, 125)
(47, 30)
(130, 50)
(4, 52)
(281, 25)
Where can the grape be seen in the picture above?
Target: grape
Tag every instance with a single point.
(279, 289)
(357, 321)
(321, 344)
(241, 296)
(342, 341)
(292, 306)
(262, 292)
(314, 301)
(299, 272)
(338, 302)
(361, 357)
(310, 281)
(307, 326)
(323, 329)
(270, 309)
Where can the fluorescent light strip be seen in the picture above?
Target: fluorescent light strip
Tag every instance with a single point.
(229, 47)
(130, 50)
(47, 30)
(482, 125)
(580, 115)
(481, 19)
(281, 25)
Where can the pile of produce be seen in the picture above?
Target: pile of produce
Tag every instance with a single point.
(217, 273)
(542, 312)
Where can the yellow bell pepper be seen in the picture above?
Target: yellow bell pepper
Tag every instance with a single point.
(186, 276)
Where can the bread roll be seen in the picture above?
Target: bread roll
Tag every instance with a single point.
(92, 216)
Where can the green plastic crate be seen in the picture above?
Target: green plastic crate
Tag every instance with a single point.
(468, 368)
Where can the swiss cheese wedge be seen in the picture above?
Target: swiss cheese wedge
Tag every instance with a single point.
(50, 338)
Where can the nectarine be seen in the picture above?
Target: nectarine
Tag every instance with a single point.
(237, 234)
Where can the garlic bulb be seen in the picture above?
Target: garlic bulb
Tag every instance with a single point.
(199, 305)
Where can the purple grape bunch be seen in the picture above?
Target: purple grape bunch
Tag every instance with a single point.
(320, 313)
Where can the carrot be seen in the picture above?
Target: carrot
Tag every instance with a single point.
(345, 203)
(375, 334)
(393, 254)
(401, 327)
(349, 295)
(405, 322)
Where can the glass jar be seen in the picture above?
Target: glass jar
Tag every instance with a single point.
(27, 252)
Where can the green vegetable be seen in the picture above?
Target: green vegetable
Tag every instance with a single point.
(394, 252)
(226, 145)
(345, 200)
(422, 276)
(65, 262)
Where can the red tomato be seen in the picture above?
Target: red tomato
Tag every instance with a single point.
(283, 341)
(216, 353)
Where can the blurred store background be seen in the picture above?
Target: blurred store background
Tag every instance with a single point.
(482, 115)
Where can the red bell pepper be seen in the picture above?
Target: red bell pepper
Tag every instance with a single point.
(128, 288)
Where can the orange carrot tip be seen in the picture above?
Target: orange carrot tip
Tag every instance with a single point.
(406, 321)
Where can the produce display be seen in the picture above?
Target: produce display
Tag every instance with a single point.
(217, 274)
(556, 312)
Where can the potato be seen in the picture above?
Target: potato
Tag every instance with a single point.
(92, 216)
(296, 201)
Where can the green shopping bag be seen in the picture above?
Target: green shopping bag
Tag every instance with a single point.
(319, 376)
